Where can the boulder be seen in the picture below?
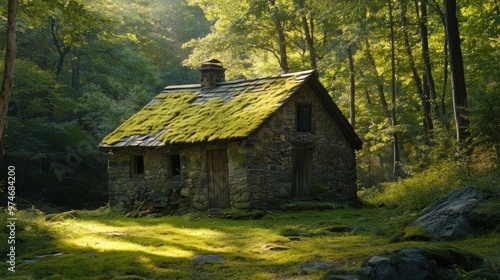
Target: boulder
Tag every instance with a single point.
(449, 216)
(418, 263)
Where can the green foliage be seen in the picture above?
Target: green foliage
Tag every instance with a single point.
(309, 205)
(59, 217)
(419, 191)
(30, 229)
(416, 233)
(84, 67)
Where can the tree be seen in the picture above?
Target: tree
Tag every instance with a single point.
(8, 74)
(352, 107)
(459, 91)
(396, 169)
(428, 125)
(308, 32)
(429, 79)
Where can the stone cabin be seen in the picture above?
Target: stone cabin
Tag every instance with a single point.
(243, 144)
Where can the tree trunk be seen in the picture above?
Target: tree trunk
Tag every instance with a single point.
(62, 50)
(307, 33)
(426, 57)
(380, 85)
(281, 42)
(75, 74)
(396, 168)
(445, 73)
(352, 108)
(418, 83)
(445, 56)
(458, 88)
(8, 74)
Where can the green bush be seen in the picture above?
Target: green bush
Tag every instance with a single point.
(415, 193)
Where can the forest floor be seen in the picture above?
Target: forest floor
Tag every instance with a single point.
(103, 244)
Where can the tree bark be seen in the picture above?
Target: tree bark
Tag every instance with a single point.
(352, 108)
(307, 33)
(396, 168)
(281, 42)
(380, 85)
(445, 56)
(8, 74)
(416, 78)
(426, 57)
(62, 50)
(458, 88)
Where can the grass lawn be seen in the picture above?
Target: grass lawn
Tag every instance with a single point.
(107, 245)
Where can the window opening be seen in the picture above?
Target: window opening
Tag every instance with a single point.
(304, 118)
(137, 165)
(175, 165)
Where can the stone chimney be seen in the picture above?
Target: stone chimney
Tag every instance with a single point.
(212, 73)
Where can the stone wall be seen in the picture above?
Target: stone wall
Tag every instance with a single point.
(334, 161)
(259, 168)
(155, 190)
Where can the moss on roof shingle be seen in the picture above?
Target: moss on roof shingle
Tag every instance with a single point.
(178, 117)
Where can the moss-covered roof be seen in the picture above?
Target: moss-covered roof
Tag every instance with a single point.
(230, 110)
(185, 114)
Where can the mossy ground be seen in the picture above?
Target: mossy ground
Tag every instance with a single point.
(106, 245)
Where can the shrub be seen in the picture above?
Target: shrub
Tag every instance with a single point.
(415, 193)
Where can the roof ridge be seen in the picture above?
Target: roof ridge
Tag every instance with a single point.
(182, 86)
(285, 75)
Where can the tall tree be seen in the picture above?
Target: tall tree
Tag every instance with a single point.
(7, 81)
(428, 126)
(308, 32)
(429, 81)
(352, 107)
(396, 167)
(458, 88)
(276, 17)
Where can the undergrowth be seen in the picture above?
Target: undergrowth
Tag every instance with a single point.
(423, 189)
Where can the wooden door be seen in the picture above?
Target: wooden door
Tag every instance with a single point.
(218, 186)
(301, 172)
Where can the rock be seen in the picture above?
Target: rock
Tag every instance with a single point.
(185, 192)
(317, 266)
(270, 247)
(486, 215)
(117, 234)
(342, 277)
(382, 268)
(417, 263)
(207, 258)
(448, 219)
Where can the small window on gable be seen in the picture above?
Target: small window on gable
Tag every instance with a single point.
(175, 165)
(304, 118)
(137, 166)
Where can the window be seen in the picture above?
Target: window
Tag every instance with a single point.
(175, 165)
(137, 166)
(304, 118)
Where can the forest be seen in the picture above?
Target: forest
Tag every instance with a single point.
(83, 67)
(418, 80)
